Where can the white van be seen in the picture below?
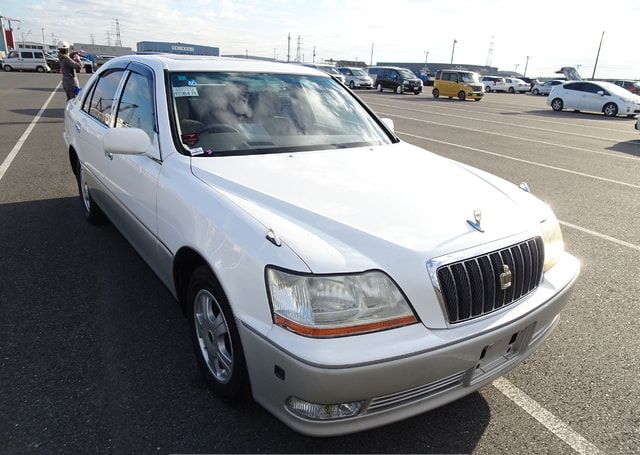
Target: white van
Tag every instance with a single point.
(26, 60)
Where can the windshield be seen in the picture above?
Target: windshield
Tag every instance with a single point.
(469, 77)
(244, 113)
(406, 74)
(358, 72)
(616, 89)
(329, 69)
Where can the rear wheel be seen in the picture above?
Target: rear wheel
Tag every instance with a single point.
(535, 92)
(40, 69)
(8, 68)
(462, 95)
(610, 109)
(90, 209)
(215, 336)
(379, 87)
(487, 89)
(436, 93)
(352, 86)
(511, 90)
(557, 104)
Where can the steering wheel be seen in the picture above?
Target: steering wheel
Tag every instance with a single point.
(217, 128)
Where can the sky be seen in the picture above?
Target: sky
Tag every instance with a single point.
(553, 33)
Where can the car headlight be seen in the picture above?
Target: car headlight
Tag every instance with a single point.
(553, 243)
(405, 82)
(336, 305)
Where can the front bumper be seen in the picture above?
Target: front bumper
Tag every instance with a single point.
(475, 95)
(428, 368)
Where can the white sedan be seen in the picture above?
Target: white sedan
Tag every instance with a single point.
(594, 96)
(514, 85)
(351, 279)
(544, 88)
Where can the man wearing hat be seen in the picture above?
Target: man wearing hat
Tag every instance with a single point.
(68, 68)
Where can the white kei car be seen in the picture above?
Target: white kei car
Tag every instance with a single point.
(544, 88)
(351, 278)
(356, 78)
(594, 96)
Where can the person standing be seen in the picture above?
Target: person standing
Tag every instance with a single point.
(68, 68)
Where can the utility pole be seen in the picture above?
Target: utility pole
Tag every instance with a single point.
(246, 53)
(289, 47)
(453, 49)
(371, 59)
(44, 44)
(426, 56)
(92, 38)
(299, 49)
(108, 35)
(117, 27)
(274, 54)
(517, 65)
(314, 55)
(526, 65)
(490, 53)
(593, 76)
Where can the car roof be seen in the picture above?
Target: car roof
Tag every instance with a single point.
(175, 62)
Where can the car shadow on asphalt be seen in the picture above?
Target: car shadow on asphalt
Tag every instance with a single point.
(38, 89)
(577, 115)
(628, 147)
(96, 357)
(57, 112)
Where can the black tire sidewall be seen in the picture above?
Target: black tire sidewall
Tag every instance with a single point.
(615, 113)
(554, 101)
(94, 215)
(203, 279)
(436, 93)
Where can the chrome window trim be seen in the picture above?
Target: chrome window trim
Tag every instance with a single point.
(435, 263)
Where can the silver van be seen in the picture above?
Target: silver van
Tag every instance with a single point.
(26, 60)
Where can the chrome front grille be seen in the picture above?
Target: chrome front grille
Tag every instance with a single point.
(472, 287)
(414, 394)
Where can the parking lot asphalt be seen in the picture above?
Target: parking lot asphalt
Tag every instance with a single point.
(95, 354)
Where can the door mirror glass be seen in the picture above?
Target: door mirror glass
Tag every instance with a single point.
(125, 141)
(601, 93)
(389, 124)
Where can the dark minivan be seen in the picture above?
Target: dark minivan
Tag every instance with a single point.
(400, 80)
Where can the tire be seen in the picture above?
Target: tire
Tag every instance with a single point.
(416, 92)
(476, 99)
(379, 87)
(215, 336)
(557, 104)
(511, 90)
(40, 69)
(436, 93)
(535, 92)
(7, 68)
(462, 95)
(610, 110)
(88, 69)
(352, 86)
(399, 89)
(92, 213)
(487, 89)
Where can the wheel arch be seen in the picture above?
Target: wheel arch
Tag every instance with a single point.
(73, 160)
(185, 262)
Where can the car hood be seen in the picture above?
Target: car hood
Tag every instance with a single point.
(390, 207)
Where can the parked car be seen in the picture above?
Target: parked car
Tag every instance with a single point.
(594, 96)
(102, 59)
(399, 80)
(515, 85)
(252, 189)
(26, 60)
(356, 78)
(461, 84)
(493, 84)
(87, 64)
(632, 86)
(531, 81)
(329, 69)
(544, 88)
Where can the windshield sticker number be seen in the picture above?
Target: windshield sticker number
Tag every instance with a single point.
(185, 91)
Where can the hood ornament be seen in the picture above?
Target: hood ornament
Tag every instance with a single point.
(477, 219)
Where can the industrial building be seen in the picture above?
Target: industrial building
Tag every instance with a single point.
(177, 48)
(100, 49)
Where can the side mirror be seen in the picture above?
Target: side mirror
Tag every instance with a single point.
(601, 93)
(389, 124)
(125, 141)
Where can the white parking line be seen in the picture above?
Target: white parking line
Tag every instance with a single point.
(600, 138)
(602, 236)
(16, 148)
(556, 426)
(582, 174)
(475, 130)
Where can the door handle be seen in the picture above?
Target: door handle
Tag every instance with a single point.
(109, 155)
(78, 127)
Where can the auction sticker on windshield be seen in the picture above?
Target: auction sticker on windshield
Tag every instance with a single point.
(185, 91)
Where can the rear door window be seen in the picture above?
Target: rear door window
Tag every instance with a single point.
(27, 54)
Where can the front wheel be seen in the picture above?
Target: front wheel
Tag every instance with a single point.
(215, 336)
(90, 209)
(487, 89)
(7, 68)
(511, 90)
(436, 93)
(610, 109)
(535, 92)
(462, 95)
(399, 89)
(557, 104)
(379, 87)
(352, 86)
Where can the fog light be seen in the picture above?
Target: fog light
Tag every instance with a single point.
(323, 411)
